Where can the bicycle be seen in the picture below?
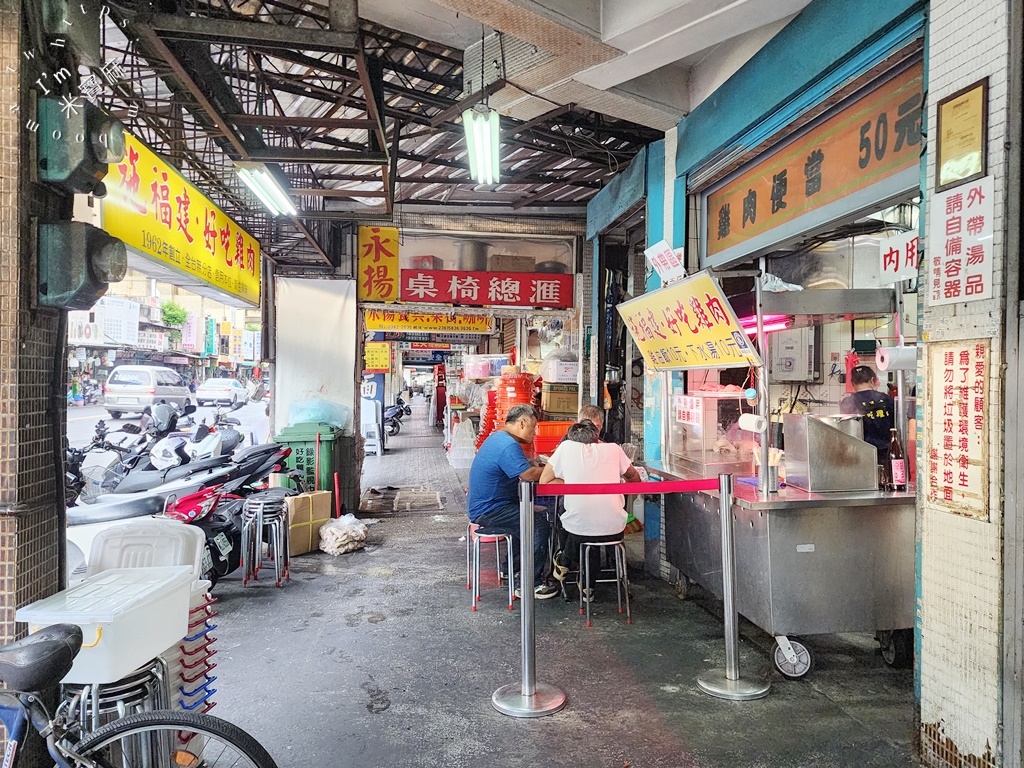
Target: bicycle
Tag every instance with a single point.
(154, 739)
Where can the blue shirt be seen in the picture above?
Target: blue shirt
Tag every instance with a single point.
(494, 475)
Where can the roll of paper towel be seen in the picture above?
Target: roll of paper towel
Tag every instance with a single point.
(753, 423)
(896, 358)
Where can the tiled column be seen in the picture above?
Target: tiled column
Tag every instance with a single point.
(31, 352)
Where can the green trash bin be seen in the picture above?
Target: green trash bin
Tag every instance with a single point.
(302, 439)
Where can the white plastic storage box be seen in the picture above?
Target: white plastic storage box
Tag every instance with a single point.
(148, 542)
(127, 615)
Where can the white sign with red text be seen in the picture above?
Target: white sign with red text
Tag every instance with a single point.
(899, 256)
(960, 243)
(666, 262)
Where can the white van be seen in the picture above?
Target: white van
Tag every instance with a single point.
(131, 388)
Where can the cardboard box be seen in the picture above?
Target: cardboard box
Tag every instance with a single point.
(506, 262)
(559, 401)
(549, 416)
(307, 513)
(426, 262)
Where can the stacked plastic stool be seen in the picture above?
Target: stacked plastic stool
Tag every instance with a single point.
(264, 515)
(190, 664)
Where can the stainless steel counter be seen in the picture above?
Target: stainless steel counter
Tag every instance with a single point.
(806, 563)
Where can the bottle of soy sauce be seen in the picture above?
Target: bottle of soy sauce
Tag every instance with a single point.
(897, 463)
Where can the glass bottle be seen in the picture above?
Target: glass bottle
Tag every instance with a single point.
(897, 462)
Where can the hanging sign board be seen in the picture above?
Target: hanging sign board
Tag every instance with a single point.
(378, 264)
(666, 262)
(960, 243)
(688, 324)
(434, 338)
(151, 207)
(507, 289)
(380, 320)
(834, 168)
(957, 444)
(377, 357)
(898, 257)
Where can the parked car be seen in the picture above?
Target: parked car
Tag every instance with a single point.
(132, 388)
(226, 391)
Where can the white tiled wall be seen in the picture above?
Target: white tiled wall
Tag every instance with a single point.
(961, 584)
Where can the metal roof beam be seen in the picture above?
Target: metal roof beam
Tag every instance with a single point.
(460, 106)
(286, 121)
(317, 156)
(242, 32)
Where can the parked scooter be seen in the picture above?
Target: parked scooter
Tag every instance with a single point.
(218, 512)
(92, 392)
(251, 467)
(393, 416)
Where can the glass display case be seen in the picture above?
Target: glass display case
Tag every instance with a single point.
(704, 436)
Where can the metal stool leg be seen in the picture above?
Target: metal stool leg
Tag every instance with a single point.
(621, 550)
(476, 571)
(579, 578)
(511, 573)
(587, 582)
(619, 578)
(469, 547)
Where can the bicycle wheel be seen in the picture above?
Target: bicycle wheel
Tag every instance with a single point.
(173, 739)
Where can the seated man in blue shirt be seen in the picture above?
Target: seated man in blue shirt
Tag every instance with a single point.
(494, 479)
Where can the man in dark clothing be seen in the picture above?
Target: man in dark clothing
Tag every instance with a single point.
(876, 407)
(493, 500)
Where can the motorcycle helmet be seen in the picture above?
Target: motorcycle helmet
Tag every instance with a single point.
(165, 417)
(164, 454)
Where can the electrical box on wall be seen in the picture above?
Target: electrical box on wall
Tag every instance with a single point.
(795, 356)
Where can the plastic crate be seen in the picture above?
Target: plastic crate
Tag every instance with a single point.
(553, 428)
(127, 615)
(545, 445)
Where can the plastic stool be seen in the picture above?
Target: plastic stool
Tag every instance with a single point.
(475, 536)
(265, 516)
(621, 578)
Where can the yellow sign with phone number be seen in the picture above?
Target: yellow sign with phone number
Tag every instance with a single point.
(155, 211)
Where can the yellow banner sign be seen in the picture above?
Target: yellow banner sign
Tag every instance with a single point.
(377, 356)
(688, 324)
(877, 136)
(408, 322)
(378, 264)
(151, 207)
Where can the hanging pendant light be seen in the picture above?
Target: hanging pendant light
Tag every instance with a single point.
(483, 134)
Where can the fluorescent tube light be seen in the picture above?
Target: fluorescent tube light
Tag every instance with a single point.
(266, 187)
(483, 139)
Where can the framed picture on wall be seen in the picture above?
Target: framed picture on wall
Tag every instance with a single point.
(962, 129)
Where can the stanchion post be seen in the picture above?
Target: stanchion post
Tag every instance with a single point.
(727, 683)
(527, 698)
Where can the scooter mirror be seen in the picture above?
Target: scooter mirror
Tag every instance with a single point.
(237, 405)
(190, 408)
(131, 429)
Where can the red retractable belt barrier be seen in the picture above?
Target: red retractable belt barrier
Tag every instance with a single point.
(627, 489)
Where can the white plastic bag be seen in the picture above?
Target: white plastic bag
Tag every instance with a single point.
(345, 534)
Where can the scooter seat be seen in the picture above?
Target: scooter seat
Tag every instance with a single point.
(251, 450)
(207, 463)
(115, 510)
